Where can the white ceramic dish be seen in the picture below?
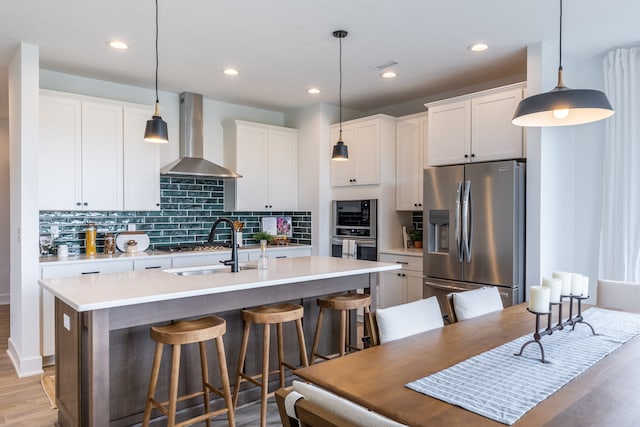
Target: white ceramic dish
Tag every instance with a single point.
(140, 237)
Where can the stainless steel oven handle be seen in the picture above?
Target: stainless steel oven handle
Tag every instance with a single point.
(445, 287)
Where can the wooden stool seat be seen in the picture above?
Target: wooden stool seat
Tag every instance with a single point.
(177, 334)
(276, 314)
(272, 314)
(343, 303)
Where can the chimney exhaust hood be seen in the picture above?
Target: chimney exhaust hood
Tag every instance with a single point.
(191, 161)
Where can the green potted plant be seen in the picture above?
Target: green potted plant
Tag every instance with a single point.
(415, 236)
(263, 235)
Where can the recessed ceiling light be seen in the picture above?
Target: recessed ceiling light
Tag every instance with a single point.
(120, 45)
(313, 91)
(230, 71)
(388, 75)
(478, 47)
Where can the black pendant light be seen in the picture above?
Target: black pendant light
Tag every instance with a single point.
(156, 130)
(562, 106)
(340, 151)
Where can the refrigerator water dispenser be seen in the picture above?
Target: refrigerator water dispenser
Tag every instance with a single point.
(438, 234)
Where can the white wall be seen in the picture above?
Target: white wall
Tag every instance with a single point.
(4, 211)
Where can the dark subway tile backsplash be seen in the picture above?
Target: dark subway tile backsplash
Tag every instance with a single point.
(188, 208)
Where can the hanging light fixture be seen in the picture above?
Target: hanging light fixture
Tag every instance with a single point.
(156, 130)
(340, 151)
(562, 106)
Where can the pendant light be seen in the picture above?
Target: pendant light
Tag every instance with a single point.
(340, 151)
(562, 106)
(156, 130)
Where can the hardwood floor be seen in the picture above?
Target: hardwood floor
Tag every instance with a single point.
(23, 403)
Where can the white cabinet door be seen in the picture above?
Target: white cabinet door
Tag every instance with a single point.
(341, 170)
(450, 133)
(411, 152)
(152, 263)
(266, 156)
(59, 154)
(141, 163)
(48, 301)
(392, 286)
(414, 286)
(282, 169)
(363, 140)
(102, 180)
(205, 259)
(365, 167)
(281, 252)
(494, 136)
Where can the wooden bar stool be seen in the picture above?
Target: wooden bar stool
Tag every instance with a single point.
(268, 315)
(344, 303)
(188, 332)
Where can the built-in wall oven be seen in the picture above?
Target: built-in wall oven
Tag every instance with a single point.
(355, 220)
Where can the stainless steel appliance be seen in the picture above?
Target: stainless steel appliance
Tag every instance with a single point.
(355, 220)
(474, 229)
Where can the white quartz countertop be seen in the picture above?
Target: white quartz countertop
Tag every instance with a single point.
(100, 291)
(400, 251)
(120, 256)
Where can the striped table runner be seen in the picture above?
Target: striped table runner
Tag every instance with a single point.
(503, 387)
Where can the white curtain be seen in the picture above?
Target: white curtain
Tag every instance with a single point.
(620, 231)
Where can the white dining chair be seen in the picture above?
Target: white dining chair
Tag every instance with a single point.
(618, 295)
(469, 304)
(399, 321)
(313, 406)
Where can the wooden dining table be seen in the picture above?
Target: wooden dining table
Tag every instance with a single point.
(606, 394)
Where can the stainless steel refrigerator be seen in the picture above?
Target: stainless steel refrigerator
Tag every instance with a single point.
(474, 222)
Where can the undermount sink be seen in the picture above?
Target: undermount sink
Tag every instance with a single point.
(209, 269)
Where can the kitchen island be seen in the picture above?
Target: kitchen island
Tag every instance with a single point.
(103, 349)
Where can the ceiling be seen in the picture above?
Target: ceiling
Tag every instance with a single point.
(283, 47)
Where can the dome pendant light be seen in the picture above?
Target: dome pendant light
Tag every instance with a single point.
(340, 151)
(562, 106)
(156, 130)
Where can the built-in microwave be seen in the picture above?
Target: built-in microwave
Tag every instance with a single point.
(355, 218)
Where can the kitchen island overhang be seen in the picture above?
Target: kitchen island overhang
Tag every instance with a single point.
(108, 310)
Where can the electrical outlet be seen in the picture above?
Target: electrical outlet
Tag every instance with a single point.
(66, 321)
(55, 231)
(131, 227)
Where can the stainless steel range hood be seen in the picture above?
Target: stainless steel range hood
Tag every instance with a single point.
(191, 161)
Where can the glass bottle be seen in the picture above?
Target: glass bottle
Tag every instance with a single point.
(90, 239)
(263, 259)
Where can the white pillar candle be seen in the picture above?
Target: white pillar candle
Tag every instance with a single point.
(555, 285)
(585, 286)
(566, 281)
(539, 298)
(576, 284)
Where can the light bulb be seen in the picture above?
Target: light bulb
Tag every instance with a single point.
(561, 113)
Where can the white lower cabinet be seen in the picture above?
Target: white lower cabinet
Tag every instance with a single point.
(207, 258)
(151, 263)
(66, 270)
(400, 286)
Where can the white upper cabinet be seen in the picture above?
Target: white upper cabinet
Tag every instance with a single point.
(60, 154)
(92, 156)
(141, 163)
(363, 138)
(267, 157)
(102, 181)
(475, 127)
(411, 160)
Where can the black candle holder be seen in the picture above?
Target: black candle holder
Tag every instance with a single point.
(570, 321)
(537, 335)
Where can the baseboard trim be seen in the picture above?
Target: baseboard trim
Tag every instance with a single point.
(24, 367)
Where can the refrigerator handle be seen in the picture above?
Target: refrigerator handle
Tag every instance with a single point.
(458, 231)
(466, 222)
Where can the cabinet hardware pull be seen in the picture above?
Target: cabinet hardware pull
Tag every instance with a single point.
(151, 267)
(402, 262)
(281, 256)
(90, 272)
